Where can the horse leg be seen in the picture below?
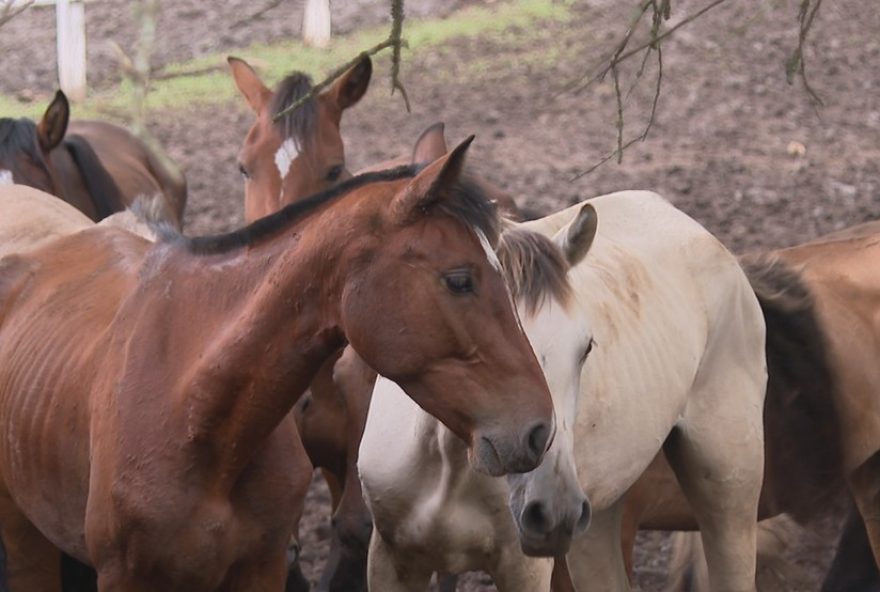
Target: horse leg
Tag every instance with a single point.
(853, 568)
(389, 573)
(32, 562)
(515, 573)
(721, 479)
(595, 561)
(261, 574)
(864, 484)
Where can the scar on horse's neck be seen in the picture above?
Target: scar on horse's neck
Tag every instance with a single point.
(261, 360)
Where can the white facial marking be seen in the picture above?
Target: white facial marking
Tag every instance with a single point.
(490, 252)
(6, 177)
(285, 156)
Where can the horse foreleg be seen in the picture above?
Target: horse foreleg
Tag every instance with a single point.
(595, 561)
(721, 480)
(260, 574)
(32, 562)
(387, 572)
(865, 486)
(516, 573)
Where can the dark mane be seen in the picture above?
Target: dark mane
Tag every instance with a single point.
(300, 123)
(473, 207)
(275, 223)
(534, 268)
(105, 193)
(19, 135)
(804, 458)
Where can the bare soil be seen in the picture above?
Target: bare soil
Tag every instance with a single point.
(733, 145)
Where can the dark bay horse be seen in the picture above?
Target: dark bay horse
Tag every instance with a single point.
(97, 167)
(145, 389)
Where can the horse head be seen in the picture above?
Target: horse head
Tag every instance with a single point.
(300, 153)
(25, 147)
(548, 504)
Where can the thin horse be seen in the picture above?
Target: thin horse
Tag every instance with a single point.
(97, 167)
(152, 405)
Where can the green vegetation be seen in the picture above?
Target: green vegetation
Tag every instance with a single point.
(500, 22)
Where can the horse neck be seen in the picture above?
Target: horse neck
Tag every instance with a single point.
(265, 319)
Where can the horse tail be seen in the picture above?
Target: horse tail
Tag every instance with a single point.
(688, 571)
(803, 444)
(171, 180)
(105, 193)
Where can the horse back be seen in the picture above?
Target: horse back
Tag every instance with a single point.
(135, 168)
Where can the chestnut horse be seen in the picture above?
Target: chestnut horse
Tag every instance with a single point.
(819, 300)
(679, 363)
(302, 152)
(145, 389)
(97, 167)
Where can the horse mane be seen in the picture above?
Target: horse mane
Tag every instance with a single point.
(803, 445)
(298, 124)
(19, 135)
(467, 204)
(105, 193)
(534, 268)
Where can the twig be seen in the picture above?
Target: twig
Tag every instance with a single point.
(160, 74)
(394, 41)
(795, 65)
(8, 12)
(397, 16)
(257, 15)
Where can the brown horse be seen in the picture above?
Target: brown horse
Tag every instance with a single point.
(97, 167)
(332, 413)
(820, 303)
(145, 390)
(302, 152)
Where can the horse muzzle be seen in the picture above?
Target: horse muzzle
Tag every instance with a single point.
(547, 529)
(499, 454)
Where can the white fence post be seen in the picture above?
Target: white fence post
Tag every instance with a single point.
(71, 34)
(316, 23)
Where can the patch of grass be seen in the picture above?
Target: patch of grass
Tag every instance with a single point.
(276, 60)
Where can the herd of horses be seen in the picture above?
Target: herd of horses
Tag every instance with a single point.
(480, 392)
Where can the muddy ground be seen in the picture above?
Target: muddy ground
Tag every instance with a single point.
(733, 145)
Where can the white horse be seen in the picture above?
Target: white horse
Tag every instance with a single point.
(678, 363)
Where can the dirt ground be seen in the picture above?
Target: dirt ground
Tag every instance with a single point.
(733, 144)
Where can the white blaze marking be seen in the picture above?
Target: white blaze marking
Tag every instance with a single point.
(490, 252)
(6, 177)
(285, 156)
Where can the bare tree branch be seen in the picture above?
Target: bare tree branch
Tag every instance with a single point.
(795, 65)
(257, 15)
(8, 10)
(394, 40)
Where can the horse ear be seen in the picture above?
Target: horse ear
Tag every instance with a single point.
(249, 84)
(351, 86)
(577, 238)
(51, 129)
(431, 185)
(431, 145)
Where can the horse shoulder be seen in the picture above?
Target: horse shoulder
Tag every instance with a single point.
(14, 272)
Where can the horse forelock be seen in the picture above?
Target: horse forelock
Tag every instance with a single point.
(534, 267)
(299, 124)
(467, 202)
(804, 443)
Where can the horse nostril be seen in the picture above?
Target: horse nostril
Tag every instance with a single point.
(583, 521)
(536, 519)
(538, 437)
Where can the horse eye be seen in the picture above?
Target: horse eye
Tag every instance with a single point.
(459, 282)
(334, 173)
(243, 171)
